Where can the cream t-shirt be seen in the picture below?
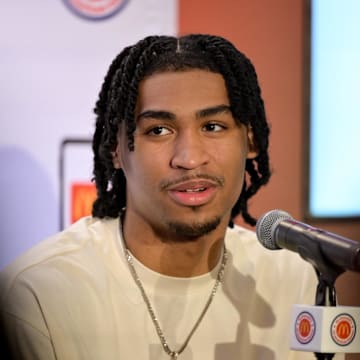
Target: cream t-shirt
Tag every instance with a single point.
(73, 297)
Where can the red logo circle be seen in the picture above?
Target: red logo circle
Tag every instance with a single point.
(95, 9)
(343, 329)
(304, 327)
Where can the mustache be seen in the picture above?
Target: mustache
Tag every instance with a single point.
(219, 180)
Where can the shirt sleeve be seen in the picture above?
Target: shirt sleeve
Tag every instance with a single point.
(22, 341)
(23, 327)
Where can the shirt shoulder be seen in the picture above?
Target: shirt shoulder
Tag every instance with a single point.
(79, 238)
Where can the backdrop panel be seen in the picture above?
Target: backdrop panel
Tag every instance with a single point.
(53, 60)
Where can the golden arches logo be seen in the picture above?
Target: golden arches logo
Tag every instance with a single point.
(304, 327)
(343, 329)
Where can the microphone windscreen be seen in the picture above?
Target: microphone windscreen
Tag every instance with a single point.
(266, 225)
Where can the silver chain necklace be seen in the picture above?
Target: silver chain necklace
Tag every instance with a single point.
(173, 354)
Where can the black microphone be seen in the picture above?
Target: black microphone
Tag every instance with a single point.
(278, 230)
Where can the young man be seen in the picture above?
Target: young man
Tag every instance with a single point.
(180, 146)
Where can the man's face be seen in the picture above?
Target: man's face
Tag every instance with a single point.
(187, 169)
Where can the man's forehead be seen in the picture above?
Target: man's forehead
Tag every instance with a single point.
(196, 89)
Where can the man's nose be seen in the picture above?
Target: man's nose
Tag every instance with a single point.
(190, 151)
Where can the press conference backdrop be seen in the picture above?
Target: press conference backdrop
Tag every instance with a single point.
(54, 55)
(334, 176)
(53, 60)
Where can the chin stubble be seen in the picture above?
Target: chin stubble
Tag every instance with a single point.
(190, 232)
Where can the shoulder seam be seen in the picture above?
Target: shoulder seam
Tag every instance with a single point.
(27, 323)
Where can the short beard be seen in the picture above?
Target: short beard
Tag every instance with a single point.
(190, 232)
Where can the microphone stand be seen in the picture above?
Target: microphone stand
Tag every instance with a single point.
(327, 273)
(325, 291)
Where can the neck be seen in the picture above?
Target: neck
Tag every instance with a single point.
(178, 258)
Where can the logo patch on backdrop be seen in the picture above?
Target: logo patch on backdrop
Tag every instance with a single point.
(82, 198)
(304, 327)
(343, 329)
(77, 191)
(95, 9)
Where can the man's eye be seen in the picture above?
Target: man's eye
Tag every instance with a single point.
(212, 127)
(159, 131)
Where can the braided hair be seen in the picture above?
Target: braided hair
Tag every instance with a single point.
(118, 97)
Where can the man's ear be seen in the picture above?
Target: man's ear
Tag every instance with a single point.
(116, 157)
(252, 148)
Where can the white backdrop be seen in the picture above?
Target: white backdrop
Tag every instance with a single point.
(52, 66)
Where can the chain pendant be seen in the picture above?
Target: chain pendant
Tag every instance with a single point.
(174, 355)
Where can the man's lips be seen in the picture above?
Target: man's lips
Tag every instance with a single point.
(192, 181)
(192, 186)
(194, 192)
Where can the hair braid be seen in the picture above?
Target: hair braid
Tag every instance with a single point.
(102, 158)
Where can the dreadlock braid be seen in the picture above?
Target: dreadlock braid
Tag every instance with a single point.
(101, 161)
(118, 98)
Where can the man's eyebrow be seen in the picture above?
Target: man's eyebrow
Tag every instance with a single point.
(156, 114)
(167, 115)
(213, 110)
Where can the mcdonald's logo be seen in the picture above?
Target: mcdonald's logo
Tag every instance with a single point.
(304, 327)
(82, 198)
(343, 329)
